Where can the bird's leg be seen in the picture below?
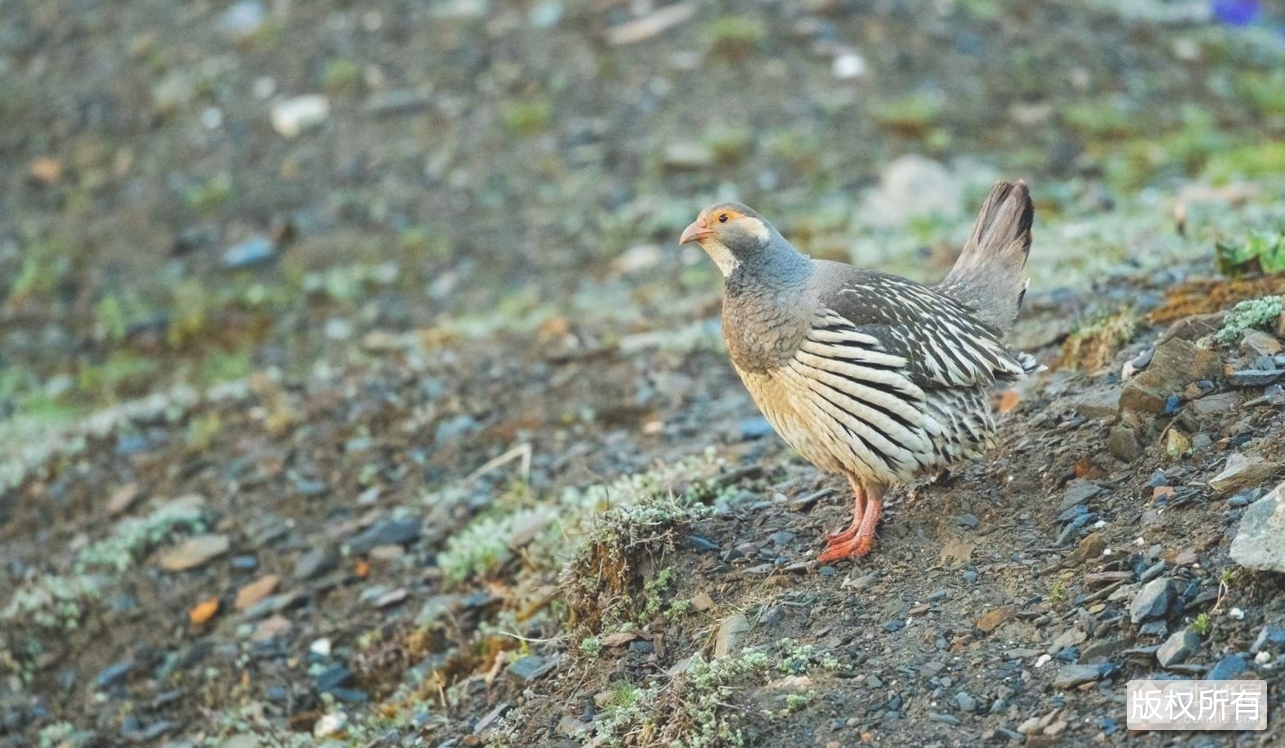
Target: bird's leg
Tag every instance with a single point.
(858, 510)
(860, 539)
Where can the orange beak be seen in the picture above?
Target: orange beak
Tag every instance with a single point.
(699, 229)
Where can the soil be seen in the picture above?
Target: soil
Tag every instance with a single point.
(472, 312)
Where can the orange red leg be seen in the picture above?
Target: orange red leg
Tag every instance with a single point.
(859, 538)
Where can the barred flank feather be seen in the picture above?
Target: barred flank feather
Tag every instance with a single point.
(889, 402)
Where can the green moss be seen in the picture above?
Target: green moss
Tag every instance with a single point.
(735, 37)
(524, 118)
(341, 76)
(914, 114)
(109, 317)
(422, 241)
(122, 374)
(190, 315)
(730, 145)
(1254, 314)
(202, 431)
(44, 267)
(1264, 90)
(481, 548)
(222, 366)
(702, 706)
(134, 537)
(1102, 119)
(210, 195)
(1251, 161)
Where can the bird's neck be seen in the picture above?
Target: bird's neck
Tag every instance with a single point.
(766, 311)
(769, 274)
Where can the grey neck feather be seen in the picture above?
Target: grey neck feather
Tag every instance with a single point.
(766, 311)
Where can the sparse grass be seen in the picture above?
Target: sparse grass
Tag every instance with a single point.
(912, 115)
(134, 537)
(192, 309)
(1265, 90)
(706, 704)
(45, 266)
(1254, 314)
(52, 601)
(730, 145)
(421, 241)
(122, 374)
(1094, 344)
(210, 195)
(1057, 592)
(109, 319)
(525, 118)
(202, 431)
(1256, 160)
(1102, 119)
(341, 75)
(736, 37)
(801, 150)
(1202, 624)
(481, 548)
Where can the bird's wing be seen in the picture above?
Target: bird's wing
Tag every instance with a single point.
(930, 339)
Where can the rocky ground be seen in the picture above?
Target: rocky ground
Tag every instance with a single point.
(354, 389)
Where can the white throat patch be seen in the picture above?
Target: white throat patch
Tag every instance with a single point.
(721, 255)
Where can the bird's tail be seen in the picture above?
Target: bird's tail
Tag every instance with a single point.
(988, 276)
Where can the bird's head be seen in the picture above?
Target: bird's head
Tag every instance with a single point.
(731, 234)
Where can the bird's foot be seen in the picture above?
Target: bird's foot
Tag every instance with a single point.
(843, 536)
(856, 541)
(853, 547)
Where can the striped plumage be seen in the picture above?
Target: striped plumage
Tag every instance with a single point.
(868, 374)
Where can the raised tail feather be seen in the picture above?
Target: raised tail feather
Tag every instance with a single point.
(988, 276)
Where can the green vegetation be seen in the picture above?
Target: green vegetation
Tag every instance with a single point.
(210, 195)
(735, 37)
(1261, 252)
(524, 118)
(1202, 624)
(730, 145)
(341, 76)
(1254, 314)
(705, 705)
(1102, 119)
(45, 266)
(912, 115)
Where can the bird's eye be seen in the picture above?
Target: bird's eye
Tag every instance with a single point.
(722, 218)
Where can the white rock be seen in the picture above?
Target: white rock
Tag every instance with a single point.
(1260, 539)
(848, 66)
(913, 186)
(330, 724)
(320, 647)
(263, 88)
(242, 19)
(290, 117)
(212, 118)
(337, 328)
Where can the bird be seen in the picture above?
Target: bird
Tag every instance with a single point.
(868, 374)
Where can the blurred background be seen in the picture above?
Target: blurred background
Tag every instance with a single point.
(329, 331)
(193, 191)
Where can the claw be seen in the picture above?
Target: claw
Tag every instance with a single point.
(858, 540)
